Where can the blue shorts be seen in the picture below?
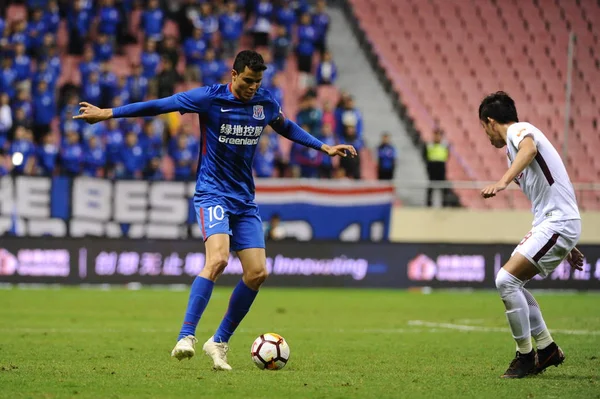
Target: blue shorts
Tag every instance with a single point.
(241, 222)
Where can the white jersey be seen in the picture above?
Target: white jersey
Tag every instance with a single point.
(545, 180)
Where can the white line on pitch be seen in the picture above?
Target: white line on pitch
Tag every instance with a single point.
(462, 327)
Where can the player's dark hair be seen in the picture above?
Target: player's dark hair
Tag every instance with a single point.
(498, 106)
(250, 59)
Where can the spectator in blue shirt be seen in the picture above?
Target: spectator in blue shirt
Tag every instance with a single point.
(150, 142)
(52, 17)
(121, 91)
(194, 49)
(47, 155)
(137, 84)
(326, 71)
(109, 19)
(94, 157)
(78, 21)
(53, 59)
(348, 115)
(264, 160)
(386, 158)
(22, 63)
(23, 102)
(183, 159)
(92, 91)
(320, 22)
(71, 155)
(208, 21)
(231, 27)
(103, 48)
(262, 24)
(211, 69)
(22, 152)
(286, 17)
(305, 49)
(133, 160)
(152, 20)
(8, 77)
(88, 65)
(44, 110)
(19, 34)
(46, 74)
(115, 141)
(150, 59)
(276, 90)
(108, 85)
(269, 73)
(36, 28)
(281, 47)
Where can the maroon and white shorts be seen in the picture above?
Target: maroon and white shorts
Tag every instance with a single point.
(547, 244)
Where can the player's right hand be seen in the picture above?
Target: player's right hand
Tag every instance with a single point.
(575, 259)
(343, 150)
(92, 114)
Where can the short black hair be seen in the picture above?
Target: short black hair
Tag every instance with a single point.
(250, 59)
(498, 106)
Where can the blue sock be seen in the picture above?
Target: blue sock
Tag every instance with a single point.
(199, 296)
(239, 304)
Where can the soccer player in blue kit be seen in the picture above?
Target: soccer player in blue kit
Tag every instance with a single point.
(232, 118)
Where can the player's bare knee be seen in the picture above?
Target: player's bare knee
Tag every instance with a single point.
(215, 265)
(255, 278)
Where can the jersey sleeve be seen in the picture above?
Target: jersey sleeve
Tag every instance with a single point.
(515, 136)
(274, 109)
(194, 101)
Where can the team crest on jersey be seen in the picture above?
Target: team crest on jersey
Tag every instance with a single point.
(259, 112)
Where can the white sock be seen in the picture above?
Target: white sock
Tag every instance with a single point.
(517, 310)
(539, 331)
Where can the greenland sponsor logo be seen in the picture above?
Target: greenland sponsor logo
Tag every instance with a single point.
(239, 134)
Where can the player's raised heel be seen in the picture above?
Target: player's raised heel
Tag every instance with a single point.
(217, 351)
(184, 348)
(521, 366)
(551, 355)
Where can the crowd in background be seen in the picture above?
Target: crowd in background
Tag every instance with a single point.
(39, 137)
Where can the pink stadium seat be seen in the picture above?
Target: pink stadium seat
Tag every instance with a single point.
(443, 56)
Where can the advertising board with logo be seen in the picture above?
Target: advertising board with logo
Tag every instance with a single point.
(289, 263)
(308, 209)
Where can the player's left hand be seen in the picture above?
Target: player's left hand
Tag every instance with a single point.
(493, 189)
(575, 259)
(342, 150)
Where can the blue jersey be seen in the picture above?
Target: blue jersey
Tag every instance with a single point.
(230, 130)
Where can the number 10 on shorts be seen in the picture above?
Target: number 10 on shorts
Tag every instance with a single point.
(215, 213)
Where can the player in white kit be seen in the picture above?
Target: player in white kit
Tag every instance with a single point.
(536, 166)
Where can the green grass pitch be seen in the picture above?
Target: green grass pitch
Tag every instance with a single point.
(76, 343)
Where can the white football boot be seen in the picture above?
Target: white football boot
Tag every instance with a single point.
(217, 351)
(185, 348)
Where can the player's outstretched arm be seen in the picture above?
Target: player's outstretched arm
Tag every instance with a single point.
(526, 154)
(92, 114)
(295, 133)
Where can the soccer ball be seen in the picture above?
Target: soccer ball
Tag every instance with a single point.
(270, 351)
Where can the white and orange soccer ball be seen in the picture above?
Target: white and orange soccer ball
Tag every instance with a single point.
(270, 351)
